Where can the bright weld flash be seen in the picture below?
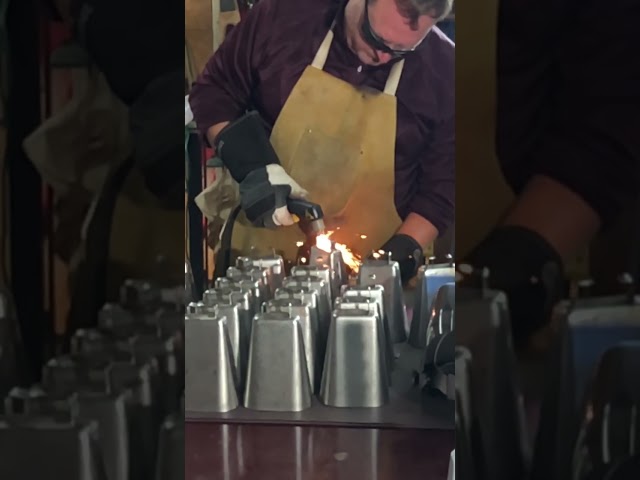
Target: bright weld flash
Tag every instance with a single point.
(324, 243)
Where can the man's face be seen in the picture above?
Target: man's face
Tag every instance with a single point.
(384, 33)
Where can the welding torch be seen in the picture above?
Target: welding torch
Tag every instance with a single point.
(308, 216)
(310, 219)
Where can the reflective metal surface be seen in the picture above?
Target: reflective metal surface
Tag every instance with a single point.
(452, 466)
(387, 274)
(430, 279)
(233, 294)
(245, 284)
(376, 293)
(369, 304)
(273, 262)
(324, 300)
(239, 331)
(320, 271)
(210, 378)
(335, 262)
(193, 307)
(257, 278)
(230, 293)
(440, 336)
(363, 360)
(277, 374)
(301, 309)
(355, 371)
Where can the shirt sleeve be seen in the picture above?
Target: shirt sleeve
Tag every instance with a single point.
(592, 141)
(434, 199)
(222, 92)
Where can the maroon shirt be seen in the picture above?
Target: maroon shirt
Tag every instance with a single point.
(261, 60)
(569, 97)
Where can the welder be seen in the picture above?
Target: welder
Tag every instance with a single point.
(349, 104)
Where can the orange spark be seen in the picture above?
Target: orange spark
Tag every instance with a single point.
(324, 243)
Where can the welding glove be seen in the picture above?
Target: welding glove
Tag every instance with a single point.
(524, 266)
(245, 149)
(407, 252)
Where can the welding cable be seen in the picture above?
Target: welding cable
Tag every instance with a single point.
(223, 258)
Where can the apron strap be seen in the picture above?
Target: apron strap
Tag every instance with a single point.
(390, 88)
(394, 78)
(323, 52)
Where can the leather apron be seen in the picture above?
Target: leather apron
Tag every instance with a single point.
(338, 142)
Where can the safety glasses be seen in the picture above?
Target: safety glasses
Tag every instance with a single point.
(375, 42)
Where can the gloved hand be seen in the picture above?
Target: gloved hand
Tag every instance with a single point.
(407, 252)
(524, 266)
(245, 149)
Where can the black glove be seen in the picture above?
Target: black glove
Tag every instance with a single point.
(245, 149)
(407, 252)
(528, 270)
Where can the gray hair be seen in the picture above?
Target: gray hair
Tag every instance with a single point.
(414, 9)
